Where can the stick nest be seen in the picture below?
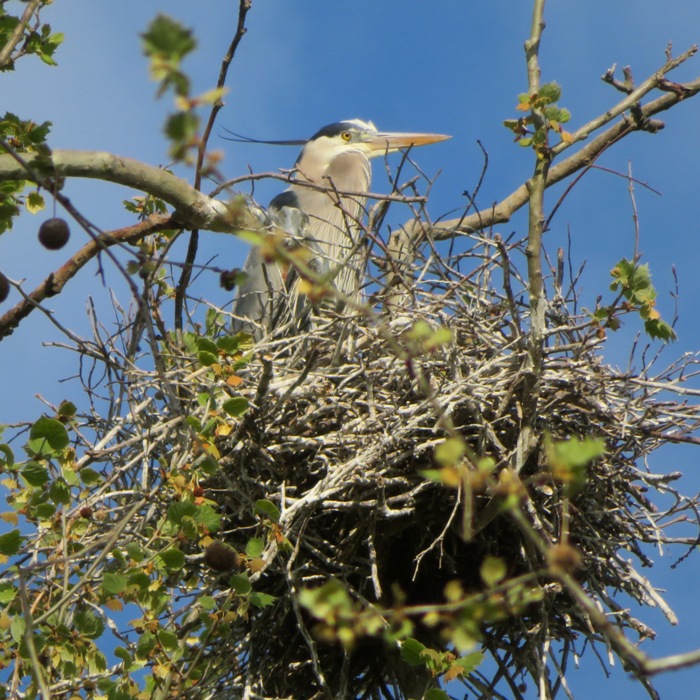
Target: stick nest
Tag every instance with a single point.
(344, 419)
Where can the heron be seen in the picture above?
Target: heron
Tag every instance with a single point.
(332, 177)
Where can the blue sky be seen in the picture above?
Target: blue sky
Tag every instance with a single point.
(450, 66)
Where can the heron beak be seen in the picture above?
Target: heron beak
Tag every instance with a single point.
(388, 142)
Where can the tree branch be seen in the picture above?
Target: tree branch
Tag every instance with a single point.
(192, 208)
(18, 33)
(653, 82)
(186, 275)
(55, 282)
(502, 211)
(536, 186)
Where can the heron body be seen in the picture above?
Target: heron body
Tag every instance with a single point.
(332, 175)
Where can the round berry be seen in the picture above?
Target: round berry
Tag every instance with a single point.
(54, 233)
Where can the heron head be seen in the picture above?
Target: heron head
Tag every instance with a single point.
(357, 137)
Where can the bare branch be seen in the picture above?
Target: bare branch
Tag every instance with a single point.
(56, 281)
(504, 210)
(186, 274)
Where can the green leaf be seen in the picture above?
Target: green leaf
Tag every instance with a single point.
(190, 518)
(139, 580)
(67, 409)
(17, 627)
(207, 602)
(462, 639)
(172, 558)
(8, 592)
(178, 510)
(420, 330)
(235, 406)
(45, 511)
(207, 359)
(181, 127)
(7, 456)
(70, 476)
(207, 517)
(89, 623)
(59, 492)
(261, 600)
(412, 652)
(89, 476)
(436, 694)
(492, 570)
(50, 430)
(209, 465)
(441, 336)
(432, 474)
(35, 474)
(255, 547)
(168, 38)
(657, 328)
(34, 202)
(230, 343)
(241, 584)
(206, 345)
(45, 44)
(114, 584)
(125, 656)
(267, 509)
(145, 645)
(575, 452)
(251, 237)
(568, 459)
(135, 552)
(108, 687)
(168, 639)
(10, 543)
(450, 452)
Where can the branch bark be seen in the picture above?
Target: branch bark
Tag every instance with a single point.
(192, 208)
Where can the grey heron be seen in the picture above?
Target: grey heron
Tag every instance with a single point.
(331, 176)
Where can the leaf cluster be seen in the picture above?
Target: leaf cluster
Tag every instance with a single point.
(38, 40)
(544, 116)
(74, 595)
(167, 43)
(23, 136)
(633, 281)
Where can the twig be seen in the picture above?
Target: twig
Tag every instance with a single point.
(185, 276)
(18, 32)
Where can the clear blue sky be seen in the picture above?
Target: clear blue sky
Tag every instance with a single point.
(449, 66)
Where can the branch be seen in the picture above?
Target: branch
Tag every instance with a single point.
(18, 33)
(535, 187)
(55, 282)
(186, 274)
(504, 210)
(634, 96)
(192, 208)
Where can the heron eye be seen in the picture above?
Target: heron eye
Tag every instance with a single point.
(346, 136)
